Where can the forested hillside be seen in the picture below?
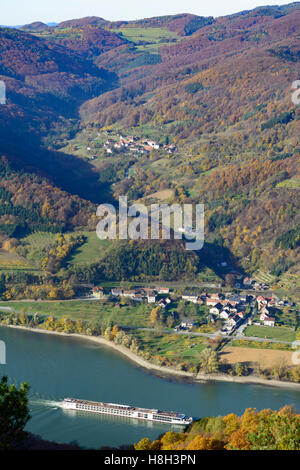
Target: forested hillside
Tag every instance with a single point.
(213, 94)
(263, 430)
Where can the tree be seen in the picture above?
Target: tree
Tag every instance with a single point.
(114, 332)
(209, 361)
(155, 315)
(240, 369)
(14, 414)
(144, 444)
(230, 280)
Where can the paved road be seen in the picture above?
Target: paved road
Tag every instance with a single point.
(208, 335)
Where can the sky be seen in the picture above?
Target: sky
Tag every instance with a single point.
(19, 12)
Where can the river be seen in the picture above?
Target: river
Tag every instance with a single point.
(57, 367)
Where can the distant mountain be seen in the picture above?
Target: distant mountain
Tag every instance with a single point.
(218, 89)
(36, 26)
(184, 24)
(82, 22)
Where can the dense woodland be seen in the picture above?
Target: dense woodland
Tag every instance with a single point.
(217, 88)
(254, 430)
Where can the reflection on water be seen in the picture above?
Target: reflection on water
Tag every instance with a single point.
(113, 419)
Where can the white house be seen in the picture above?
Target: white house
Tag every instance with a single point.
(190, 298)
(117, 292)
(225, 314)
(269, 321)
(216, 309)
(129, 293)
(187, 324)
(151, 297)
(163, 290)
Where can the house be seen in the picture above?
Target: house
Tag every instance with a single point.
(189, 297)
(230, 324)
(265, 311)
(211, 302)
(187, 324)
(164, 303)
(217, 296)
(151, 297)
(163, 290)
(138, 297)
(263, 301)
(153, 144)
(263, 316)
(97, 292)
(269, 321)
(233, 321)
(129, 293)
(216, 309)
(241, 314)
(117, 292)
(234, 299)
(225, 314)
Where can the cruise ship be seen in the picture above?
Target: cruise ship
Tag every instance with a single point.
(126, 411)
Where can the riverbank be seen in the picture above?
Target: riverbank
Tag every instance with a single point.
(163, 370)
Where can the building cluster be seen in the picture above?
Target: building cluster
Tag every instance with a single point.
(265, 315)
(134, 145)
(138, 295)
(230, 308)
(144, 294)
(249, 283)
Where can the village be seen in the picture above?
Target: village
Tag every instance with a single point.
(135, 145)
(118, 143)
(229, 312)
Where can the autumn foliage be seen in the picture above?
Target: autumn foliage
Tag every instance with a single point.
(254, 430)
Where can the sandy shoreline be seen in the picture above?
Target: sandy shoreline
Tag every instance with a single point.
(162, 370)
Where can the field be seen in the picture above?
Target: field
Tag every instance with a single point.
(89, 252)
(265, 357)
(36, 245)
(162, 195)
(34, 248)
(147, 39)
(137, 315)
(267, 278)
(292, 183)
(11, 261)
(173, 347)
(282, 334)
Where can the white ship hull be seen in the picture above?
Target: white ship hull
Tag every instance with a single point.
(127, 412)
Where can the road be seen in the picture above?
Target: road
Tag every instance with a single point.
(207, 335)
(214, 335)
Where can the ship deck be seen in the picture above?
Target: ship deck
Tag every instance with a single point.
(170, 414)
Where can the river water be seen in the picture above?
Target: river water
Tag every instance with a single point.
(57, 367)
